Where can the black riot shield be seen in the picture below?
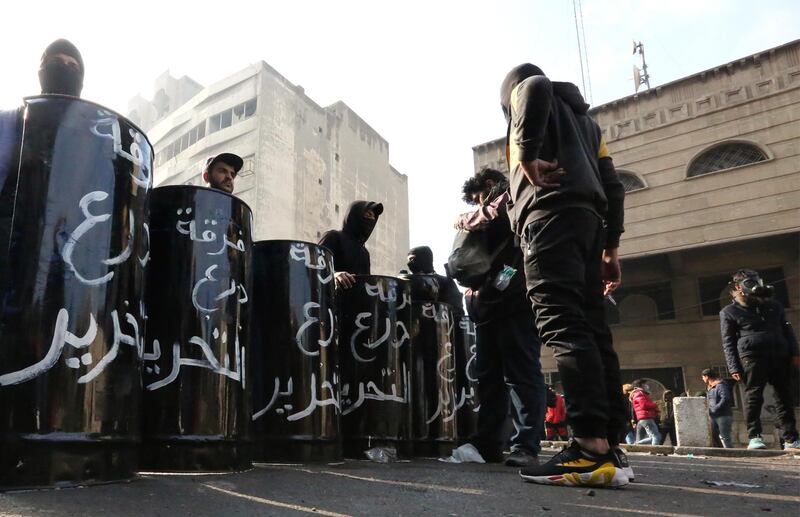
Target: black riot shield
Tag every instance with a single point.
(375, 365)
(196, 402)
(72, 312)
(434, 379)
(467, 402)
(294, 366)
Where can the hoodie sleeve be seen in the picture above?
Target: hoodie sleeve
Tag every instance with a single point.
(615, 194)
(479, 218)
(730, 337)
(531, 102)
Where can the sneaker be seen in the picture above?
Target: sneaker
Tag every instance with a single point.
(756, 443)
(521, 458)
(575, 466)
(623, 463)
(792, 445)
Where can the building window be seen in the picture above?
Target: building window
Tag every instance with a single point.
(213, 123)
(630, 181)
(714, 292)
(725, 156)
(641, 304)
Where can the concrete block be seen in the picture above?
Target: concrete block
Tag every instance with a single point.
(692, 424)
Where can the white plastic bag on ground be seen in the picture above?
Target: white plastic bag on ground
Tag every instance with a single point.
(467, 453)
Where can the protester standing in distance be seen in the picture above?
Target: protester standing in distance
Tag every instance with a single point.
(760, 347)
(507, 348)
(221, 170)
(720, 406)
(630, 424)
(570, 223)
(420, 262)
(61, 72)
(555, 419)
(647, 415)
(350, 255)
(667, 427)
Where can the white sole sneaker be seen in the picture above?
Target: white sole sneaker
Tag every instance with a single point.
(606, 476)
(629, 473)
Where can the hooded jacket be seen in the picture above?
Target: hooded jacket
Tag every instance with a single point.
(720, 399)
(549, 121)
(347, 245)
(643, 406)
(757, 330)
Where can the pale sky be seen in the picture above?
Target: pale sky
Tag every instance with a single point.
(424, 74)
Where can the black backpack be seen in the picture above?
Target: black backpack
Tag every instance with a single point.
(470, 261)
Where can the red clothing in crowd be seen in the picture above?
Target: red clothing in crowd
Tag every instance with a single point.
(643, 406)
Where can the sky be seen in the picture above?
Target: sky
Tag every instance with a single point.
(424, 74)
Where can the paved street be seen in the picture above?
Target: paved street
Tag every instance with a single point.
(669, 486)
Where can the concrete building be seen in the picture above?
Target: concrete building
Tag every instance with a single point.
(711, 165)
(304, 164)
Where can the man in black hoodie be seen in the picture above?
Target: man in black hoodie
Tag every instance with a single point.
(420, 262)
(350, 256)
(569, 222)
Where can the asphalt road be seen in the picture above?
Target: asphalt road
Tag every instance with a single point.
(669, 486)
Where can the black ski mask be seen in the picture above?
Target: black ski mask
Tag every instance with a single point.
(356, 224)
(58, 77)
(420, 260)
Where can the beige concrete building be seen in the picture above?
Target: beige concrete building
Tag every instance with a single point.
(304, 164)
(711, 165)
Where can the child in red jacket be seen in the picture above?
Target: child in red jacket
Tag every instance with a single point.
(556, 416)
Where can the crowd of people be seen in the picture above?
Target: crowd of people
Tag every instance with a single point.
(547, 236)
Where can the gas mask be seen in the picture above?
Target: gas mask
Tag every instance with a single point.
(753, 285)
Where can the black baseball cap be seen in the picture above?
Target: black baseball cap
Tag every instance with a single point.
(231, 159)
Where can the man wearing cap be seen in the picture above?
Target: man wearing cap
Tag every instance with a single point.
(221, 170)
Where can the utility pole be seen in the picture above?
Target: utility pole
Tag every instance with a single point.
(640, 76)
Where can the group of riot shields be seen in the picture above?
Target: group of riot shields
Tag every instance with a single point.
(143, 329)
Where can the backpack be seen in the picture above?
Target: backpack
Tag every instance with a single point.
(470, 261)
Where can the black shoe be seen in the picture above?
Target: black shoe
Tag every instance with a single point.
(521, 458)
(623, 463)
(575, 466)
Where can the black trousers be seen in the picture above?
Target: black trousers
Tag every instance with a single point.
(563, 255)
(508, 368)
(777, 371)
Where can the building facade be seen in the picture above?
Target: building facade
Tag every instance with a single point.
(304, 164)
(711, 166)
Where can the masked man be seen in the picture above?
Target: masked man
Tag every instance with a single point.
(760, 347)
(350, 255)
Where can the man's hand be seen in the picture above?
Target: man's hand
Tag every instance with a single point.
(610, 271)
(542, 173)
(344, 280)
(737, 376)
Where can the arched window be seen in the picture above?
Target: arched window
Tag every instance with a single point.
(725, 156)
(630, 180)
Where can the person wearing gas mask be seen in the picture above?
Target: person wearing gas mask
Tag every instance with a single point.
(60, 72)
(420, 262)
(350, 255)
(760, 347)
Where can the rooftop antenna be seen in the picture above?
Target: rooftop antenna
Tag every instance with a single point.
(580, 35)
(640, 76)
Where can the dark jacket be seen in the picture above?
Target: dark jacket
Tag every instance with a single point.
(422, 271)
(720, 399)
(487, 302)
(347, 244)
(550, 120)
(757, 330)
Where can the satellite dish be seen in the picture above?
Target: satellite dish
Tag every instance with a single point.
(634, 46)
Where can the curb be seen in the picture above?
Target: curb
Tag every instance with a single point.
(732, 453)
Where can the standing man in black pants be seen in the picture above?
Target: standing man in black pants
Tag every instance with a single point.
(507, 347)
(570, 221)
(760, 347)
